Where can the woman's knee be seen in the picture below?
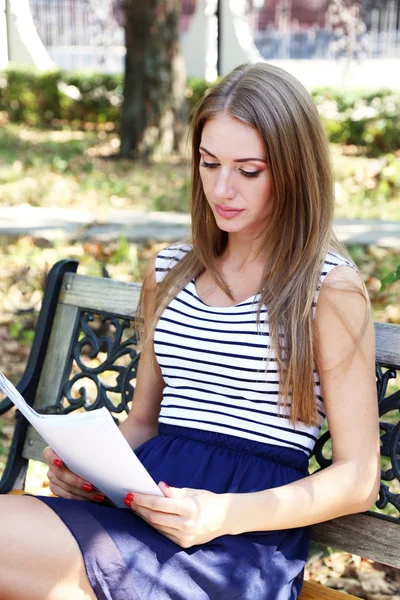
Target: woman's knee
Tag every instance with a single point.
(41, 558)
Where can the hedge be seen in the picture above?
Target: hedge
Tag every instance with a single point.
(41, 99)
(367, 119)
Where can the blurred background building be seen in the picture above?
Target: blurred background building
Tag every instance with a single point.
(316, 39)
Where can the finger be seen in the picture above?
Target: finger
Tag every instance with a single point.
(64, 473)
(174, 492)
(158, 504)
(56, 482)
(169, 532)
(67, 494)
(160, 519)
(72, 494)
(59, 488)
(69, 478)
(51, 457)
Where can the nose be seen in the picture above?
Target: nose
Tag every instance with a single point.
(223, 185)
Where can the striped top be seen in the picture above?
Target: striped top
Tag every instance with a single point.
(216, 369)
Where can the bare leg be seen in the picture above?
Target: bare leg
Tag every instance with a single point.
(39, 557)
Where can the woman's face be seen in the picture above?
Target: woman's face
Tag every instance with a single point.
(235, 176)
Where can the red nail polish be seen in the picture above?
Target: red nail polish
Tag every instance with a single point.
(87, 487)
(127, 502)
(57, 462)
(129, 496)
(98, 497)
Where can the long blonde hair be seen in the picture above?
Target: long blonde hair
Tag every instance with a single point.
(299, 232)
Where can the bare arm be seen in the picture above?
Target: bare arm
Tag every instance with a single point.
(141, 424)
(351, 483)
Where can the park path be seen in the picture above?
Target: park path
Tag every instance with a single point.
(71, 224)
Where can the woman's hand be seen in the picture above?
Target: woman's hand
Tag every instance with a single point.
(65, 484)
(186, 516)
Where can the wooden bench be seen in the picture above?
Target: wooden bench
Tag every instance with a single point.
(84, 356)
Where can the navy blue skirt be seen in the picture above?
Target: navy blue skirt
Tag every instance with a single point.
(126, 559)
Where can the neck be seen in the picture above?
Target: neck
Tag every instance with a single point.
(243, 251)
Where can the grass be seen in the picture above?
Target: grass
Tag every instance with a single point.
(362, 189)
(76, 169)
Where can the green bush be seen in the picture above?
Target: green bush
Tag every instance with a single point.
(30, 97)
(363, 118)
(98, 97)
(36, 98)
(370, 120)
(195, 90)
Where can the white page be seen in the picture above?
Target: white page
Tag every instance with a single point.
(91, 445)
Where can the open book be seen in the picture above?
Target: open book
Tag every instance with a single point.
(91, 445)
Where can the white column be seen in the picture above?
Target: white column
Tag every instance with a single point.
(237, 45)
(199, 46)
(25, 45)
(3, 35)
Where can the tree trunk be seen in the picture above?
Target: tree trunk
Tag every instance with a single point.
(152, 111)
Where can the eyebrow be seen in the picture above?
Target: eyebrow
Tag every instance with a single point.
(239, 160)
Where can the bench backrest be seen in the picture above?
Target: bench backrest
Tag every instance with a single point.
(91, 361)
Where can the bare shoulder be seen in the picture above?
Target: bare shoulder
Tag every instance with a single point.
(343, 289)
(343, 277)
(343, 319)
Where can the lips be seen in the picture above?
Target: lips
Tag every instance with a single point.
(227, 212)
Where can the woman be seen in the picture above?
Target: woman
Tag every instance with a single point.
(253, 333)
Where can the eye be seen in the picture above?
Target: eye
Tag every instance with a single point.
(209, 165)
(250, 174)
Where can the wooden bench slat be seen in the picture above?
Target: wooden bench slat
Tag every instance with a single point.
(57, 356)
(34, 445)
(364, 534)
(120, 297)
(100, 294)
(388, 344)
(315, 591)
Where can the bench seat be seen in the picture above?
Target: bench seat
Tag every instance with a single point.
(315, 591)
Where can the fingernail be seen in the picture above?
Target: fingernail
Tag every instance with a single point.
(129, 496)
(57, 462)
(166, 484)
(98, 497)
(87, 487)
(127, 502)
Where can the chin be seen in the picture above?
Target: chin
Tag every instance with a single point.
(250, 229)
(229, 224)
(229, 227)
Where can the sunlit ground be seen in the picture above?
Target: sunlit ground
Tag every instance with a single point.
(75, 169)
